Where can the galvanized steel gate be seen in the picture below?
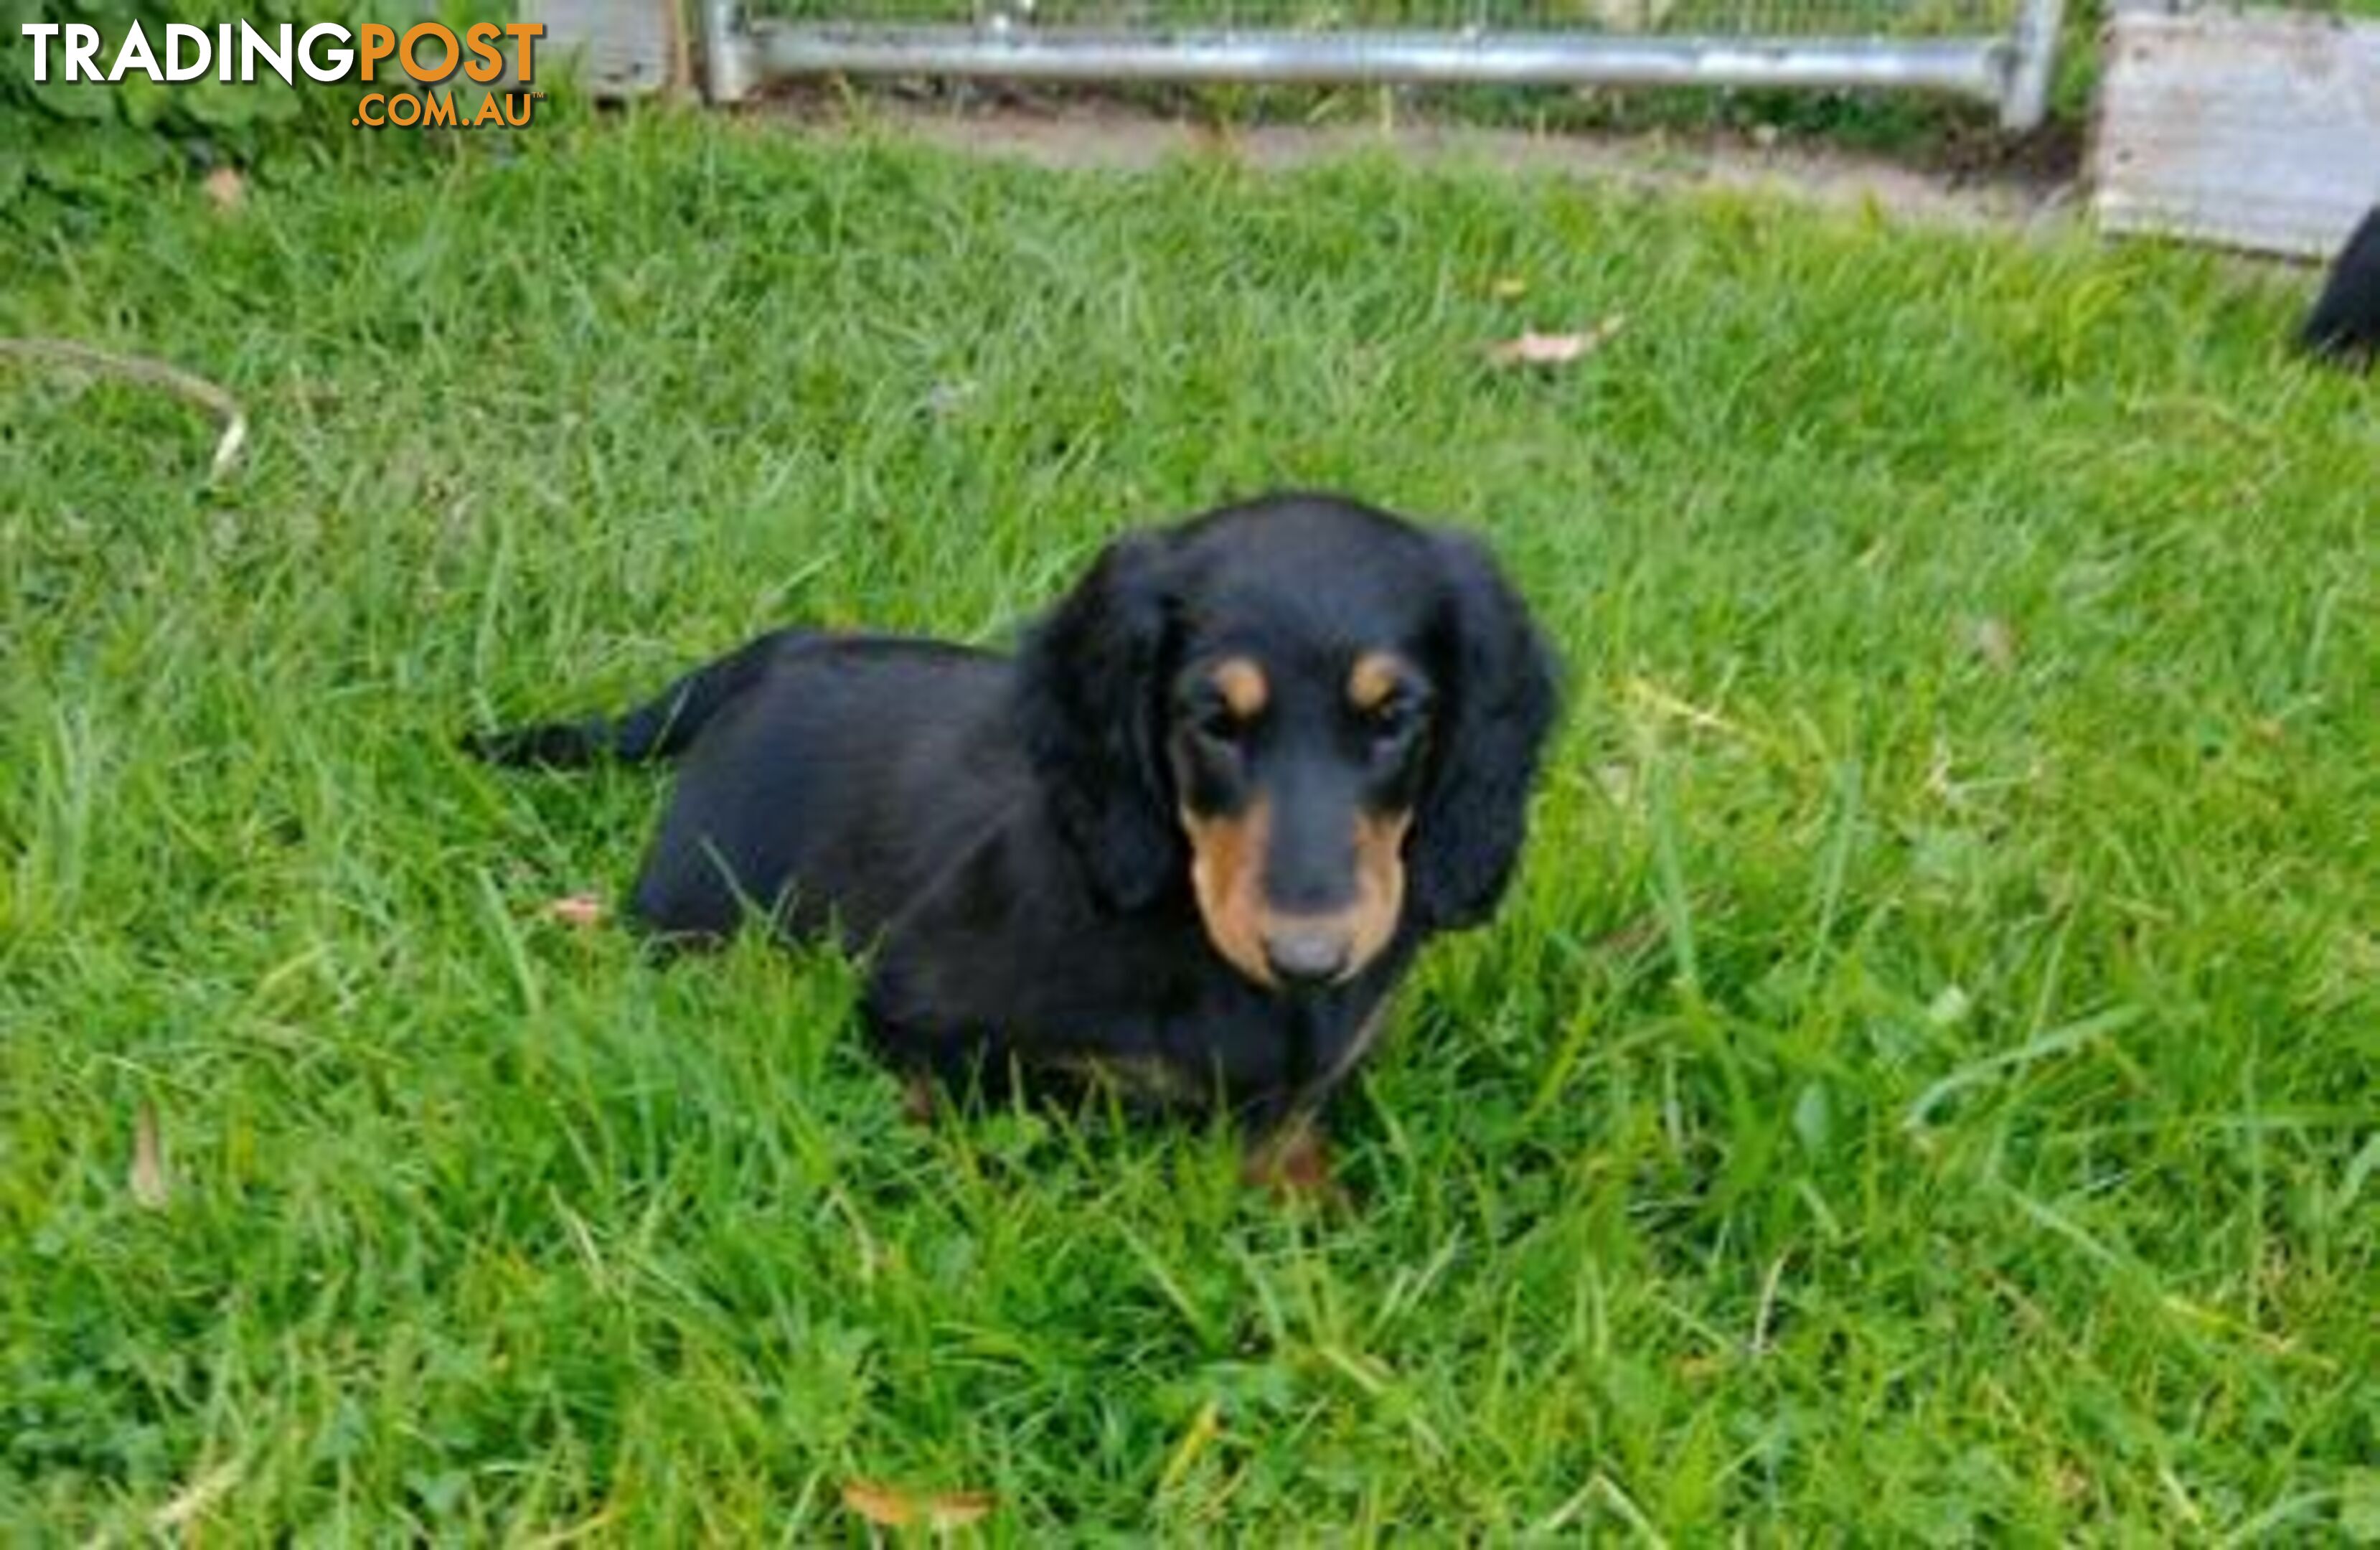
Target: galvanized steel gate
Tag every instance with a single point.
(1995, 51)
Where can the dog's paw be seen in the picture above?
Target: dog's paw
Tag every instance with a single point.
(1293, 1164)
(919, 1101)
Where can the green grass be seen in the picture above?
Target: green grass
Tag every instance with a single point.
(1922, 1087)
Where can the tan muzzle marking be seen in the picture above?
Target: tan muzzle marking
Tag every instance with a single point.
(1227, 862)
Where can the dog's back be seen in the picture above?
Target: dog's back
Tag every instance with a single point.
(815, 769)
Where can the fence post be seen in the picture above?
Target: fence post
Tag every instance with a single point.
(726, 72)
(2025, 101)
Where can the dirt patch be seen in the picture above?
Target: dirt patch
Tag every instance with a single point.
(1108, 137)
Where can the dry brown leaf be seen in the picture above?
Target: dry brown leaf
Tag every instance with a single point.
(1533, 348)
(888, 1506)
(150, 1187)
(578, 909)
(226, 187)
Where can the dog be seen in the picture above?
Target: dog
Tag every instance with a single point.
(2344, 325)
(1183, 844)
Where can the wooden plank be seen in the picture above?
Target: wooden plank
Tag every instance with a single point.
(623, 48)
(2256, 130)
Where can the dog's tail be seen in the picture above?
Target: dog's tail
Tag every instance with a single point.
(657, 730)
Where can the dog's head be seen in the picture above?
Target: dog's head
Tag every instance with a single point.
(1323, 717)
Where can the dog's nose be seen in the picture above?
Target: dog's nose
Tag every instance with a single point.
(1306, 955)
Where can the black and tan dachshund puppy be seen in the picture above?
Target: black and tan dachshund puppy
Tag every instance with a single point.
(1187, 839)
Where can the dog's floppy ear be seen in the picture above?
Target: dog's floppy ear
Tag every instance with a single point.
(1469, 830)
(1089, 676)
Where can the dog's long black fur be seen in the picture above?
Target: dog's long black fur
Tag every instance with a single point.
(1192, 834)
(2344, 325)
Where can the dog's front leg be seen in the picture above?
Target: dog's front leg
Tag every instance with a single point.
(1290, 1159)
(935, 1064)
(1287, 1154)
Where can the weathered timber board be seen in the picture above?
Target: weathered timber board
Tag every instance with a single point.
(2256, 130)
(624, 48)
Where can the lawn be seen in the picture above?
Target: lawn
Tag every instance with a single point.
(1922, 1086)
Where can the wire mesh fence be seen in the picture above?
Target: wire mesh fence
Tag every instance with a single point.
(1898, 19)
(1995, 51)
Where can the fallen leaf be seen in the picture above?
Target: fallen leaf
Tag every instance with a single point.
(1950, 1007)
(226, 187)
(1533, 348)
(148, 1181)
(1508, 287)
(1995, 643)
(578, 909)
(947, 397)
(889, 1508)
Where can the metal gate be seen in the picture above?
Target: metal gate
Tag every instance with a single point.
(1994, 51)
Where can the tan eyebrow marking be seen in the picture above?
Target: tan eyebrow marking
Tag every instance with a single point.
(1242, 684)
(1373, 677)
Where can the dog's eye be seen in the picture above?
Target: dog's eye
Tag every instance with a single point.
(1215, 723)
(1394, 721)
